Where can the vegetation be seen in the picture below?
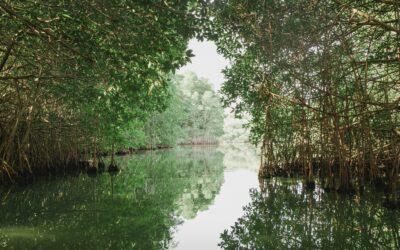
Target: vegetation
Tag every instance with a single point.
(193, 115)
(321, 82)
(204, 113)
(318, 81)
(78, 79)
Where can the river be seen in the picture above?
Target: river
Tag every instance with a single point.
(189, 198)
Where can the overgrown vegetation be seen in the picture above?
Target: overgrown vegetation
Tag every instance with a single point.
(78, 78)
(321, 82)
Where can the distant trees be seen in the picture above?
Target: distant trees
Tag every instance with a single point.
(193, 115)
(321, 81)
(204, 113)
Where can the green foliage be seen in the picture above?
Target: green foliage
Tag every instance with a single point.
(193, 114)
(75, 74)
(320, 81)
(205, 117)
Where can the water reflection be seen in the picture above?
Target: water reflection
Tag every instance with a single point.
(283, 215)
(138, 208)
(185, 198)
(240, 156)
(202, 232)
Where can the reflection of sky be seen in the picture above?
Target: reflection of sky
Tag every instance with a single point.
(204, 230)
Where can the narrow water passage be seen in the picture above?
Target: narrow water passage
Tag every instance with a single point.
(190, 198)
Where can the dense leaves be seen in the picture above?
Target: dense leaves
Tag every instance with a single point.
(72, 73)
(321, 82)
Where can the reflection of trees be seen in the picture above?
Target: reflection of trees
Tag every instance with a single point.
(285, 216)
(205, 177)
(134, 209)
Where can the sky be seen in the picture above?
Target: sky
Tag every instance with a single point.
(206, 63)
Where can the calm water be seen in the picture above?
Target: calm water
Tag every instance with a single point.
(190, 198)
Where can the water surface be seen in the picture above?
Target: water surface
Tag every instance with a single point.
(190, 198)
(181, 198)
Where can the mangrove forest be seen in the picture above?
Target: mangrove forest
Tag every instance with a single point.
(107, 142)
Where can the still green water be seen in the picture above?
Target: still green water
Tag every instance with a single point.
(190, 198)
